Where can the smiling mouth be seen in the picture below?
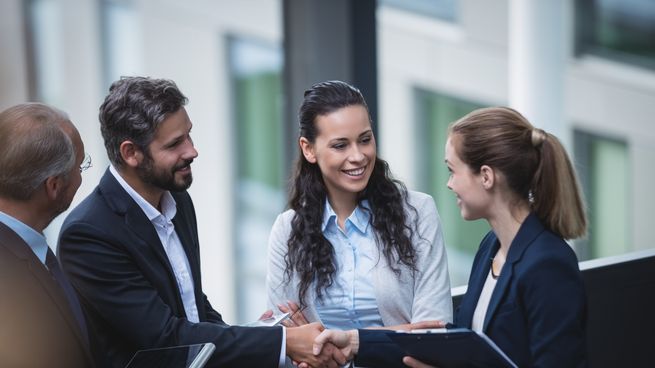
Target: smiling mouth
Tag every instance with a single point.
(185, 167)
(355, 172)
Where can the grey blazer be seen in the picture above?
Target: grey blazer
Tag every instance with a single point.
(401, 299)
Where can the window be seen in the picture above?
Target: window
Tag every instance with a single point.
(617, 29)
(256, 69)
(46, 50)
(604, 169)
(442, 9)
(121, 35)
(435, 113)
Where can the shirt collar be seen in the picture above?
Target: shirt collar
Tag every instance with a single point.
(33, 238)
(360, 218)
(168, 205)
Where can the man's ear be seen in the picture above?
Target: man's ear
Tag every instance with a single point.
(131, 154)
(488, 176)
(307, 149)
(54, 186)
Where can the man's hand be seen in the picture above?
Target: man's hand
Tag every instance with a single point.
(413, 363)
(300, 347)
(346, 341)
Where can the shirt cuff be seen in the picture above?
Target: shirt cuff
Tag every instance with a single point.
(283, 356)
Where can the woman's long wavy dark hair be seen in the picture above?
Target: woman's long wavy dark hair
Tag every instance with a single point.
(310, 254)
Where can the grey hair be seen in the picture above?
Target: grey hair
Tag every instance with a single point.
(33, 147)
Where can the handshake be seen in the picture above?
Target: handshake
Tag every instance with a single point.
(311, 345)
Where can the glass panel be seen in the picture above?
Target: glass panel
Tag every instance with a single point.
(255, 69)
(609, 195)
(620, 29)
(47, 50)
(605, 176)
(442, 9)
(436, 112)
(121, 35)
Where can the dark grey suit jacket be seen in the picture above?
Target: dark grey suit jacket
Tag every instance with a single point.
(37, 327)
(113, 256)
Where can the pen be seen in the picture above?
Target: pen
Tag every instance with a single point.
(292, 315)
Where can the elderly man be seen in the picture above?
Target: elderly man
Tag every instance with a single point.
(41, 160)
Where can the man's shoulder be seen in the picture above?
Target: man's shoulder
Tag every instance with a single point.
(90, 207)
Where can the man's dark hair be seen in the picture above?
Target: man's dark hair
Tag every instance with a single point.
(132, 111)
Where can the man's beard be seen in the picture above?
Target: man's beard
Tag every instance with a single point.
(161, 178)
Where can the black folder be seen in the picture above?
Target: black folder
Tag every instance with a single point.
(452, 348)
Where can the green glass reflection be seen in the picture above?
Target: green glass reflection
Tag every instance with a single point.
(608, 200)
(260, 128)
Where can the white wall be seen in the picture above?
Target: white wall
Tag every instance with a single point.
(13, 63)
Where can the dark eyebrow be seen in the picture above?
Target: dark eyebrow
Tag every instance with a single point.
(336, 140)
(367, 132)
(173, 141)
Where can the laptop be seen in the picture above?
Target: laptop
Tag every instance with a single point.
(186, 356)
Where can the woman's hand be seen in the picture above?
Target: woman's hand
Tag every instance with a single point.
(413, 326)
(413, 363)
(296, 317)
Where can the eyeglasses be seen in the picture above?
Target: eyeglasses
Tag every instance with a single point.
(86, 163)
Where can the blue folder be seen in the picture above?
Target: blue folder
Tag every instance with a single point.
(452, 348)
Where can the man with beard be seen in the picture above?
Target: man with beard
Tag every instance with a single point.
(41, 160)
(131, 247)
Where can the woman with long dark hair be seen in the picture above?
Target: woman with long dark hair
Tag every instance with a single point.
(356, 249)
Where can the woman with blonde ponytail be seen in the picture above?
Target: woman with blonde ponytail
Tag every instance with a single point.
(525, 291)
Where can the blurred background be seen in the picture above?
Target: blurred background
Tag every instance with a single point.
(581, 69)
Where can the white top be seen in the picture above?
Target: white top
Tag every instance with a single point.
(162, 222)
(483, 303)
(400, 298)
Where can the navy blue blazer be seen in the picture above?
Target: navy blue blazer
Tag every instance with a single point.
(537, 310)
(115, 260)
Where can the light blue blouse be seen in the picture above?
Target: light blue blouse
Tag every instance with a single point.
(350, 302)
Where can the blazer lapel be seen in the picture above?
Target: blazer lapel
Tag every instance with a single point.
(136, 221)
(476, 283)
(22, 251)
(528, 231)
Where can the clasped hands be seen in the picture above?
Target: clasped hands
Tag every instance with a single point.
(332, 348)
